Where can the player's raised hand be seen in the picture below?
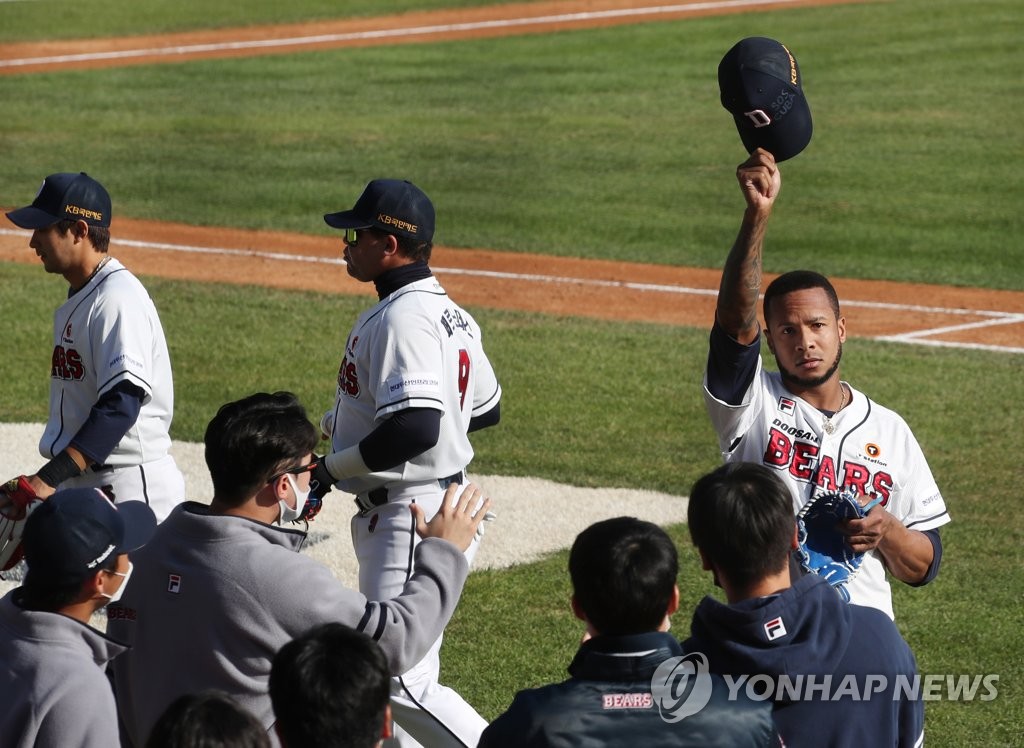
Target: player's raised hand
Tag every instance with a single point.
(760, 179)
(457, 521)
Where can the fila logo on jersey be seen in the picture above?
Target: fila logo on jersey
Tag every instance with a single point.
(800, 458)
(174, 583)
(775, 629)
(786, 405)
(66, 363)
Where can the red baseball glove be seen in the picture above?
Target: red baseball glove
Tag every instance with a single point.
(17, 501)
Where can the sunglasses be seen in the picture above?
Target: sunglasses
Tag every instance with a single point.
(296, 471)
(352, 236)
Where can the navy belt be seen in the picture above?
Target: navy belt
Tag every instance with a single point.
(379, 496)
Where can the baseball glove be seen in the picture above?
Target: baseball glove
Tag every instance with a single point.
(320, 484)
(17, 500)
(823, 548)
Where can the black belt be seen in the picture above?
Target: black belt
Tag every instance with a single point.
(379, 496)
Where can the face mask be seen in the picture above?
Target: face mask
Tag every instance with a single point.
(124, 583)
(290, 514)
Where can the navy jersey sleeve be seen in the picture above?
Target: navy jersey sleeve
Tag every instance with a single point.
(933, 569)
(405, 435)
(731, 365)
(109, 420)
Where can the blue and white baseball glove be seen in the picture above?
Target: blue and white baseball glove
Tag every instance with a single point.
(823, 547)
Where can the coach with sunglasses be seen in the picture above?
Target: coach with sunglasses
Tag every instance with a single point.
(221, 587)
(413, 383)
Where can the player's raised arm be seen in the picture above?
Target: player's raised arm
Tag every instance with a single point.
(760, 181)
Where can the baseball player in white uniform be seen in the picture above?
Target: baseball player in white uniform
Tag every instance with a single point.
(816, 431)
(413, 382)
(111, 391)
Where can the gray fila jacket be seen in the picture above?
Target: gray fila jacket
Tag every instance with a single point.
(51, 675)
(213, 597)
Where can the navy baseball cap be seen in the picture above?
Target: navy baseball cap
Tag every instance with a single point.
(74, 197)
(392, 205)
(74, 532)
(762, 88)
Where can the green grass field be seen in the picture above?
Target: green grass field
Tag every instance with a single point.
(603, 143)
(615, 146)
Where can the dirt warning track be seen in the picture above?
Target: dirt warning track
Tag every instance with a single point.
(911, 313)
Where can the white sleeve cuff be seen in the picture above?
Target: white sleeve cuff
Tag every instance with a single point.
(327, 424)
(346, 463)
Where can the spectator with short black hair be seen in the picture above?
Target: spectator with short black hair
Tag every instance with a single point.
(794, 631)
(223, 586)
(330, 688)
(209, 719)
(623, 574)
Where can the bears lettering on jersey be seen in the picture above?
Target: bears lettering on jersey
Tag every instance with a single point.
(348, 381)
(66, 363)
(804, 461)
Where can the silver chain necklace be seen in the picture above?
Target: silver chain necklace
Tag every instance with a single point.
(826, 424)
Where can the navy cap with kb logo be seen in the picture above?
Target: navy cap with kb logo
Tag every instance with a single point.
(65, 196)
(762, 88)
(392, 205)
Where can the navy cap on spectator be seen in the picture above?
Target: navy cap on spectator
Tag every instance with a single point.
(74, 532)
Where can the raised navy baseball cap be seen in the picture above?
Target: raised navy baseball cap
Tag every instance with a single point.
(74, 197)
(392, 205)
(74, 532)
(762, 88)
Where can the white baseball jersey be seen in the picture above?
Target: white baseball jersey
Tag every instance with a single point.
(415, 349)
(871, 448)
(106, 333)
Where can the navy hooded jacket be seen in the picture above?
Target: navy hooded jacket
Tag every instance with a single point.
(839, 674)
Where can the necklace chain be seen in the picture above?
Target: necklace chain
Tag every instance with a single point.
(830, 428)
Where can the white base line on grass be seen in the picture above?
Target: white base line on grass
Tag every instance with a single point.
(915, 338)
(998, 318)
(949, 344)
(299, 41)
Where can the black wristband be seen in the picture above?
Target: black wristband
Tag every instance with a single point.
(58, 470)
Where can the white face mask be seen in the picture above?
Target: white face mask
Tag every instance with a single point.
(288, 513)
(124, 583)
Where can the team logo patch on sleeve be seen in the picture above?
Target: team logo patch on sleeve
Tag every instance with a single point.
(786, 405)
